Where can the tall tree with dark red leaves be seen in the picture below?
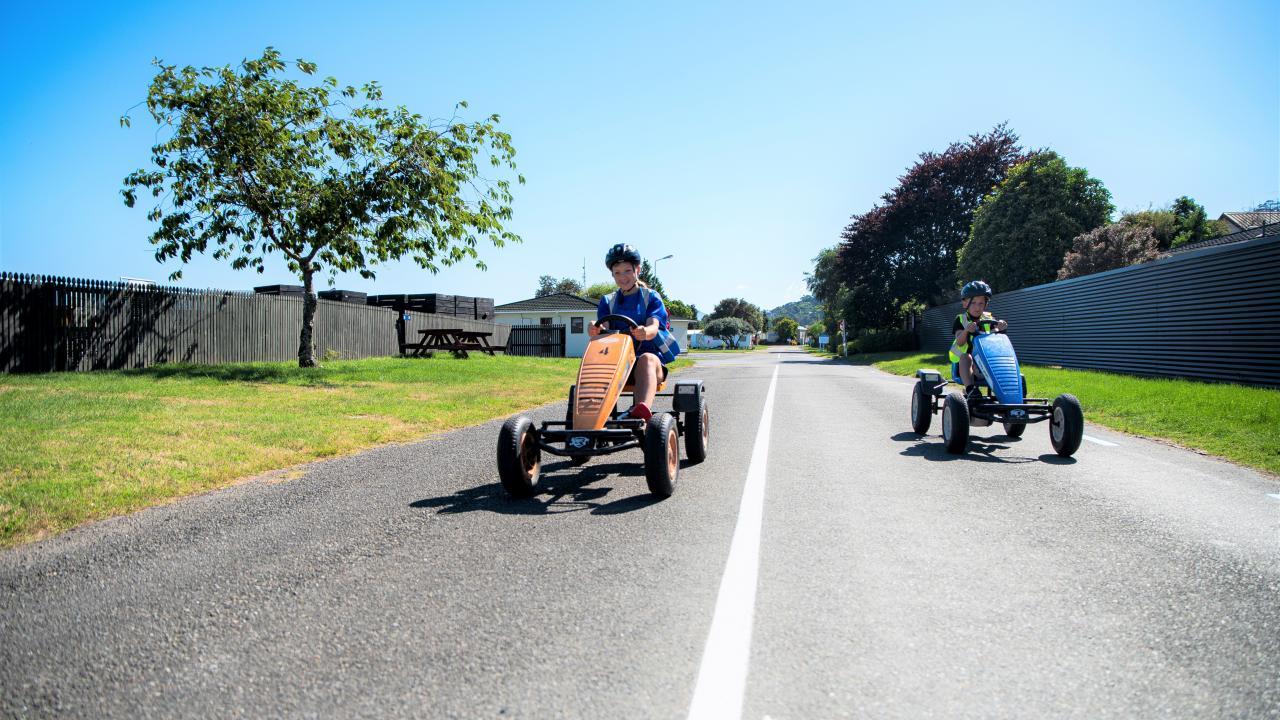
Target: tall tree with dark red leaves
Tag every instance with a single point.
(904, 249)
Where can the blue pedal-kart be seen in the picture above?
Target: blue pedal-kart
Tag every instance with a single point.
(1003, 399)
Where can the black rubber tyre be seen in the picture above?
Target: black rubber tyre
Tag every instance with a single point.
(568, 425)
(955, 423)
(1014, 429)
(921, 408)
(697, 432)
(1066, 427)
(519, 457)
(661, 454)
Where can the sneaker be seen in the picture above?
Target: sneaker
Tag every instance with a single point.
(972, 393)
(639, 411)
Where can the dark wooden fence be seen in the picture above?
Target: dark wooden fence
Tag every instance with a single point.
(1211, 313)
(536, 340)
(49, 323)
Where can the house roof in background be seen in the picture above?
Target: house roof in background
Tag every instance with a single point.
(1268, 227)
(558, 301)
(1247, 220)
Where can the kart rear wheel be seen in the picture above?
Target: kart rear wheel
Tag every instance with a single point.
(1014, 429)
(955, 423)
(519, 457)
(574, 460)
(1066, 427)
(661, 454)
(921, 408)
(697, 432)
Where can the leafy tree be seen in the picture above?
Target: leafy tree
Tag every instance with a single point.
(250, 162)
(548, 285)
(1267, 206)
(786, 328)
(1162, 223)
(814, 331)
(1194, 224)
(826, 283)
(648, 278)
(680, 309)
(739, 308)
(728, 329)
(599, 290)
(1109, 247)
(1022, 230)
(1184, 221)
(903, 251)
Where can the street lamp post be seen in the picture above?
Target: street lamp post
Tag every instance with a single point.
(655, 263)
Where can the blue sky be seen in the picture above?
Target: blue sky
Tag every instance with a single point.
(739, 137)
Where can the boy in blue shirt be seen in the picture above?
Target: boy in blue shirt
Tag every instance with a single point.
(635, 300)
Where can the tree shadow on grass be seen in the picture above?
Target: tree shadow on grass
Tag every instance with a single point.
(558, 492)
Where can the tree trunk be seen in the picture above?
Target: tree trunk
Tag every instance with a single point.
(306, 343)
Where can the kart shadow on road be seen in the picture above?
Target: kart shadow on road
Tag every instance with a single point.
(930, 447)
(561, 488)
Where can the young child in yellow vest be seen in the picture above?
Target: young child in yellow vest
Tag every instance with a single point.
(974, 298)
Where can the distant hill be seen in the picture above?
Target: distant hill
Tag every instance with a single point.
(803, 311)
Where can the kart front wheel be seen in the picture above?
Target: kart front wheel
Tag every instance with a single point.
(519, 457)
(955, 423)
(696, 432)
(921, 408)
(661, 454)
(1066, 427)
(1014, 429)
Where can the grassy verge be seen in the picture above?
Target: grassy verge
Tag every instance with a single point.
(83, 446)
(1232, 421)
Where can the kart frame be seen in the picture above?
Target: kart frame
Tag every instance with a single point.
(617, 434)
(987, 407)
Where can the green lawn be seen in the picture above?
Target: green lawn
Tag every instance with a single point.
(1236, 422)
(81, 446)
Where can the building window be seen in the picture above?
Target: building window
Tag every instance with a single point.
(545, 321)
(575, 325)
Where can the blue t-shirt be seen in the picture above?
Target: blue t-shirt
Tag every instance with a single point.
(630, 305)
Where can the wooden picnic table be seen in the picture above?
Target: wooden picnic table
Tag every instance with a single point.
(476, 340)
(454, 340)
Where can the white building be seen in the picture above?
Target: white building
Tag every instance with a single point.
(574, 313)
(699, 340)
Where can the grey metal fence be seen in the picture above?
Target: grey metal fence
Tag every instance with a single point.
(50, 323)
(1211, 314)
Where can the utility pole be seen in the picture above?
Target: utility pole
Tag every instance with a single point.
(584, 274)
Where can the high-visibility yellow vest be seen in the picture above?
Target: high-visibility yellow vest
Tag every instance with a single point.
(957, 350)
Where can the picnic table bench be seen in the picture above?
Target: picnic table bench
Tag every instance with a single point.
(455, 340)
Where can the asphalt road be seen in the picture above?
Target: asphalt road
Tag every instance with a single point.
(885, 578)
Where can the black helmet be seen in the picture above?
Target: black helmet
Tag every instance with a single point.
(621, 253)
(974, 288)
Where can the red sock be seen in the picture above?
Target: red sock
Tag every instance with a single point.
(640, 410)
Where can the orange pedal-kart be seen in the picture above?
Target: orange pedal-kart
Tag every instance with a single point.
(592, 425)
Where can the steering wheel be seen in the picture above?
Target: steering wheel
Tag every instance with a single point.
(603, 322)
(990, 324)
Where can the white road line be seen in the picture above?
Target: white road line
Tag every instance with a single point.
(722, 678)
(1100, 441)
